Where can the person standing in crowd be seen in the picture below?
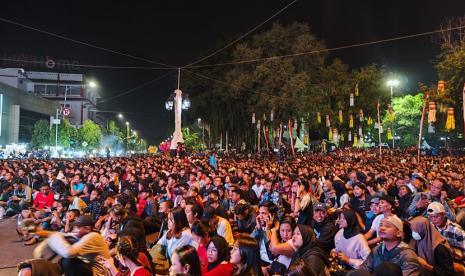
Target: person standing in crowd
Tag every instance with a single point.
(433, 250)
(351, 248)
(451, 231)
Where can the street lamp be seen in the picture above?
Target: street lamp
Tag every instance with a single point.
(92, 84)
(393, 83)
(120, 116)
(176, 102)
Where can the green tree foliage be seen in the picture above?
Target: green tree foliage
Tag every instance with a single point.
(90, 133)
(40, 134)
(67, 134)
(293, 87)
(113, 129)
(407, 123)
(192, 140)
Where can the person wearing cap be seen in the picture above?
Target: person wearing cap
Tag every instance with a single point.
(371, 215)
(324, 228)
(392, 249)
(80, 258)
(436, 194)
(451, 231)
(386, 206)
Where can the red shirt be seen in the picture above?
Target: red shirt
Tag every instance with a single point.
(41, 201)
(141, 206)
(202, 252)
(221, 270)
(140, 271)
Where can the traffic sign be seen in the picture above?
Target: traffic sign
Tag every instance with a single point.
(66, 112)
(56, 121)
(84, 144)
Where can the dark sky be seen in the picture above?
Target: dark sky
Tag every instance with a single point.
(177, 32)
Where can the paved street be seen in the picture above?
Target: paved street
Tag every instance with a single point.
(12, 250)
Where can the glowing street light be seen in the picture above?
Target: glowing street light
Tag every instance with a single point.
(393, 83)
(127, 123)
(120, 116)
(92, 84)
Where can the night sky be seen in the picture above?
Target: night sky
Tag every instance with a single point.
(178, 32)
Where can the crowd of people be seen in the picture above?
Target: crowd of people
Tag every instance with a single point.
(349, 212)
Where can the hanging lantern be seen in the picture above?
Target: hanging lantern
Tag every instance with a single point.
(355, 141)
(318, 118)
(351, 101)
(360, 115)
(356, 90)
(253, 118)
(330, 134)
(341, 119)
(351, 121)
(389, 134)
(441, 87)
(264, 117)
(370, 121)
(349, 138)
(328, 122)
(360, 132)
(450, 122)
(391, 114)
(272, 115)
(306, 139)
(432, 112)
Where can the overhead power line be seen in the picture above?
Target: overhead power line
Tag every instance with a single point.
(84, 43)
(89, 65)
(137, 87)
(242, 36)
(327, 49)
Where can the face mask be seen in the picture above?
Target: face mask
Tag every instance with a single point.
(416, 236)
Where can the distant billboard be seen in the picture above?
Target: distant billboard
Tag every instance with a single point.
(30, 61)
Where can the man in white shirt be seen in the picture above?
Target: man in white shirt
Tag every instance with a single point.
(386, 205)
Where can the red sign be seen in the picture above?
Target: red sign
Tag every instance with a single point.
(66, 112)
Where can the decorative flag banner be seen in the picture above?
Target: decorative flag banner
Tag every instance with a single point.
(351, 121)
(360, 133)
(389, 134)
(253, 118)
(441, 87)
(328, 122)
(259, 136)
(432, 112)
(280, 134)
(463, 100)
(272, 115)
(264, 117)
(341, 119)
(335, 135)
(360, 115)
(370, 121)
(318, 117)
(351, 101)
(330, 134)
(349, 138)
(355, 141)
(341, 137)
(356, 90)
(379, 128)
(291, 136)
(265, 134)
(391, 114)
(450, 121)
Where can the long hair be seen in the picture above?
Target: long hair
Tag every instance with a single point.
(286, 220)
(250, 257)
(180, 222)
(127, 247)
(188, 255)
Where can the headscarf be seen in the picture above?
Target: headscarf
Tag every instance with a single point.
(308, 238)
(223, 251)
(430, 238)
(353, 227)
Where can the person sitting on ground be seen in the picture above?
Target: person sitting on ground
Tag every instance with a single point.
(219, 225)
(324, 227)
(451, 231)
(433, 250)
(386, 207)
(200, 232)
(218, 257)
(185, 261)
(281, 245)
(351, 248)
(306, 248)
(245, 257)
(392, 249)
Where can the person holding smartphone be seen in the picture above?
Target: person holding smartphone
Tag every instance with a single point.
(265, 221)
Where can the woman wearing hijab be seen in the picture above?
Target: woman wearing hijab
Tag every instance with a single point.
(433, 250)
(218, 257)
(306, 249)
(351, 247)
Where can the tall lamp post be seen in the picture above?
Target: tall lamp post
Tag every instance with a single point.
(393, 83)
(177, 103)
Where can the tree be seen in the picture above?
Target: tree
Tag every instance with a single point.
(67, 134)
(407, 123)
(90, 133)
(192, 140)
(40, 134)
